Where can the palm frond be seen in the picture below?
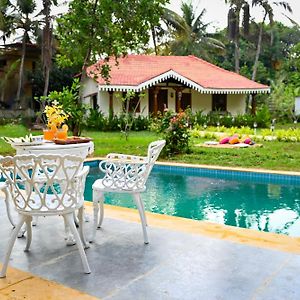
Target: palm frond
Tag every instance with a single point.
(285, 5)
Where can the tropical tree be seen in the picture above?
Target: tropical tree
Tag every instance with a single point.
(103, 29)
(187, 33)
(233, 26)
(267, 7)
(16, 15)
(47, 42)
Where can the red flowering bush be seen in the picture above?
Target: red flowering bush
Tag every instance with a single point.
(175, 130)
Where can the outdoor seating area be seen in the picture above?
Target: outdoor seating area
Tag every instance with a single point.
(53, 184)
(150, 150)
(40, 185)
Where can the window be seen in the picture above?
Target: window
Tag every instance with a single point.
(134, 103)
(219, 102)
(93, 101)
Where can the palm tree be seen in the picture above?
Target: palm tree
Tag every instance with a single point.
(233, 29)
(47, 42)
(268, 12)
(22, 21)
(187, 33)
(16, 15)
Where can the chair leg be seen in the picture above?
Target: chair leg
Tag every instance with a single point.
(35, 221)
(98, 199)
(68, 235)
(70, 221)
(141, 210)
(11, 245)
(76, 219)
(101, 207)
(7, 204)
(81, 227)
(28, 221)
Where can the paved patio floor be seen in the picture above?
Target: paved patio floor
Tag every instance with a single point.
(175, 265)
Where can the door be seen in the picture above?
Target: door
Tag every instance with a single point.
(186, 101)
(162, 100)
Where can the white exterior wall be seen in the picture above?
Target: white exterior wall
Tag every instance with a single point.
(103, 102)
(90, 88)
(171, 100)
(117, 102)
(144, 104)
(201, 102)
(236, 104)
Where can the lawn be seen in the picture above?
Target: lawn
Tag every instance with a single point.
(273, 155)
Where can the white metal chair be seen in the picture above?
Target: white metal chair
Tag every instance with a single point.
(4, 189)
(45, 185)
(124, 174)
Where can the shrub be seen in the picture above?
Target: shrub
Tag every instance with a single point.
(140, 123)
(176, 134)
(96, 119)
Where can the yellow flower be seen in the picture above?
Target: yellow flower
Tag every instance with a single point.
(55, 115)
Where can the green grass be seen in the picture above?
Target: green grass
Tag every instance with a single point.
(273, 155)
(106, 142)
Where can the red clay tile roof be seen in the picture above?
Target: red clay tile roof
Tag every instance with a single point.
(134, 70)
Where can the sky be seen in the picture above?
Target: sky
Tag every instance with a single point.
(216, 12)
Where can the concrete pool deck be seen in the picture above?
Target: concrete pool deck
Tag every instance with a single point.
(185, 259)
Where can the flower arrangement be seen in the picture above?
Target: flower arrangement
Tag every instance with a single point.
(55, 115)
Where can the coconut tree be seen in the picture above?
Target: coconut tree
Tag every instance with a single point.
(22, 20)
(16, 15)
(268, 9)
(187, 33)
(47, 42)
(236, 8)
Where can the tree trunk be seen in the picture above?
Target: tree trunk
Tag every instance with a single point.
(237, 39)
(236, 56)
(86, 59)
(21, 72)
(47, 46)
(83, 72)
(258, 49)
(154, 39)
(253, 104)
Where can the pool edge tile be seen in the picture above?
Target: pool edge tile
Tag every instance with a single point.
(234, 234)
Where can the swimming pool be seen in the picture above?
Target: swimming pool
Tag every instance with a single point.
(265, 202)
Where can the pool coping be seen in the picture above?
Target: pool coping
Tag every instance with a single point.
(249, 237)
(213, 167)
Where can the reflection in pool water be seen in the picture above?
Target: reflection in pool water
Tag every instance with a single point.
(256, 205)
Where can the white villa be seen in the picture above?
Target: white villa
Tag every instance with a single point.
(173, 82)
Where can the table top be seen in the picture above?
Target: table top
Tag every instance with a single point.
(81, 149)
(53, 146)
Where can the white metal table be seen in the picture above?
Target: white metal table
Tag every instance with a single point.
(79, 149)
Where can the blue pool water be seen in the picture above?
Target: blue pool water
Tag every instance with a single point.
(263, 202)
